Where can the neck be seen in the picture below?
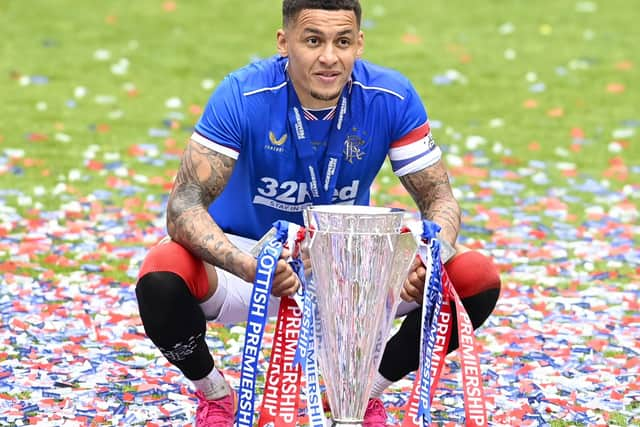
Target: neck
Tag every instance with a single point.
(328, 107)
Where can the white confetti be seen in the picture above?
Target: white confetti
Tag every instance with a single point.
(586, 7)
(510, 54)
(208, 84)
(506, 28)
(80, 92)
(174, 102)
(102, 55)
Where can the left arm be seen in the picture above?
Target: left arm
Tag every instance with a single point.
(431, 190)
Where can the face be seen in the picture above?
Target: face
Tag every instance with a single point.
(322, 46)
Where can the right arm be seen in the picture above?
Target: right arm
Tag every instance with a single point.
(202, 175)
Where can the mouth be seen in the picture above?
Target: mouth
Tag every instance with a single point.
(327, 76)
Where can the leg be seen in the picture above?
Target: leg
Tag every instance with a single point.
(177, 293)
(170, 285)
(175, 323)
(476, 280)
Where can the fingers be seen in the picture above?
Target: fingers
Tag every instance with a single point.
(286, 253)
(307, 265)
(405, 296)
(412, 293)
(413, 289)
(418, 275)
(285, 281)
(304, 255)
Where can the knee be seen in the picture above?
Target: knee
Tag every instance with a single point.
(477, 281)
(165, 303)
(169, 267)
(473, 273)
(160, 288)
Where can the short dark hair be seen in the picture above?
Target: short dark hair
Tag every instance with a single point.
(291, 8)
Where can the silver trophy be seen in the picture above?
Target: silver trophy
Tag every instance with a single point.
(359, 260)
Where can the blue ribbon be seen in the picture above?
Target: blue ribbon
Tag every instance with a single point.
(256, 322)
(314, 400)
(306, 350)
(306, 327)
(322, 179)
(430, 254)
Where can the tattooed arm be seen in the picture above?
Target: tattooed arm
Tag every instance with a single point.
(202, 176)
(431, 190)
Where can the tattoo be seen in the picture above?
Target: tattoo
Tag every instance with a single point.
(202, 175)
(431, 190)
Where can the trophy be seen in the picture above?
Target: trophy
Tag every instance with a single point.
(360, 260)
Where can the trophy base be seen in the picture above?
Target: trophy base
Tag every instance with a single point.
(347, 423)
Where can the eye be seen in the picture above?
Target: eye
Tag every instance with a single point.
(344, 42)
(312, 41)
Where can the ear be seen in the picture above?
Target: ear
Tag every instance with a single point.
(360, 44)
(281, 42)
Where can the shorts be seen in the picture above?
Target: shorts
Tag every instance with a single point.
(170, 256)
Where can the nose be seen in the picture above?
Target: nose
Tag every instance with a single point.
(328, 55)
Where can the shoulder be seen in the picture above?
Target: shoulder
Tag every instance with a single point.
(373, 79)
(266, 76)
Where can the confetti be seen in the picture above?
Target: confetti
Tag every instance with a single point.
(615, 88)
(169, 6)
(561, 347)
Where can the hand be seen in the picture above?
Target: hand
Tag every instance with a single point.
(306, 260)
(285, 280)
(413, 289)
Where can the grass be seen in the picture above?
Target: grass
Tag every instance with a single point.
(84, 84)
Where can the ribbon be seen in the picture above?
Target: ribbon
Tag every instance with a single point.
(474, 398)
(322, 182)
(443, 336)
(306, 329)
(282, 382)
(280, 402)
(256, 322)
(430, 256)
(437, 327)
(305, 357)
(314, 399)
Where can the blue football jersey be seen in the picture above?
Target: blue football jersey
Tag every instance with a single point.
(246, 118)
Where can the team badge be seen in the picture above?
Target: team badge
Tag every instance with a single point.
(353, 148)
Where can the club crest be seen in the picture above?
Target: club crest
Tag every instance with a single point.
(353, 148)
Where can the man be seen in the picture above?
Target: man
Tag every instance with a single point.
(312, 125)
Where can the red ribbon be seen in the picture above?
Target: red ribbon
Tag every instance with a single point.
(280, 401)
(474, 397)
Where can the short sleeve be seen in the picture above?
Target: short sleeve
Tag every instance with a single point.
(220, 126)
(413, 147)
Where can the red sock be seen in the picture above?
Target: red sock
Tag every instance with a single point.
(472, 273)
(172, 257)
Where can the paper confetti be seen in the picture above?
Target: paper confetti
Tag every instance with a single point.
(561, 347)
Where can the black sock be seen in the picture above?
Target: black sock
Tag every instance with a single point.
(174, 321)
(478, 307)
(402, 352)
